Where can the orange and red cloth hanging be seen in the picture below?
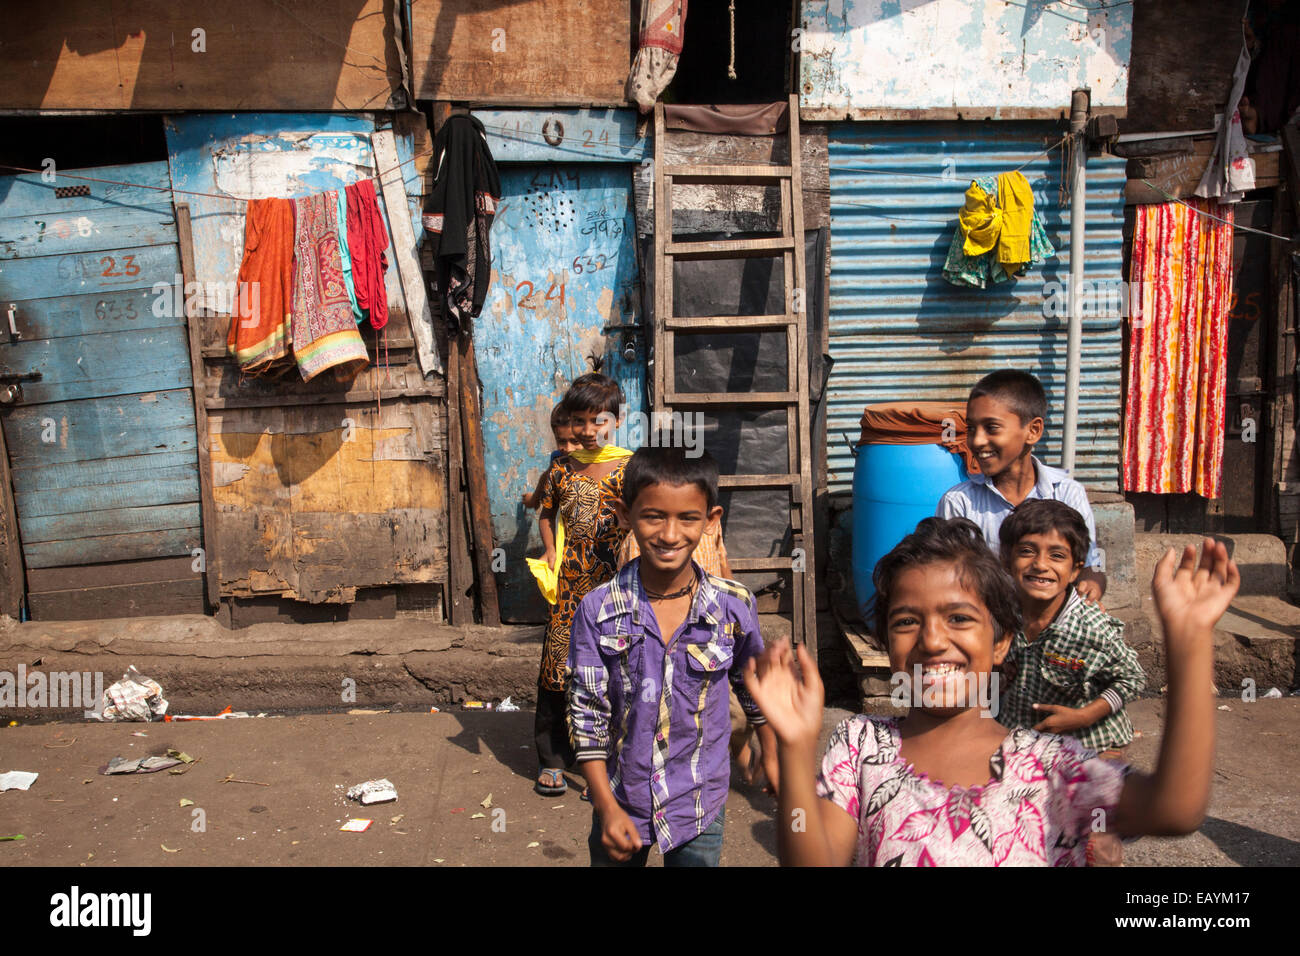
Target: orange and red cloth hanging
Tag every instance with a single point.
(295, 294)
(1180, 285)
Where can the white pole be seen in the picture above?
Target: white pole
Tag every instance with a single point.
(1079, 103)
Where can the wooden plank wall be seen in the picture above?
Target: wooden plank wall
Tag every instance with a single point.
(145, 55)
(526, 53)
(321, 489)
(101, 450)
(1180, 70)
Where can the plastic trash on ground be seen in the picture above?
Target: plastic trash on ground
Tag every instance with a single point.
(134, 697)
(226, 714)
(17, 780)
(507, 706)
(373, 791)
(139, 765)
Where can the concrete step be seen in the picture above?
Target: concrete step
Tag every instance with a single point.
(1260, 557)
(1255, 641)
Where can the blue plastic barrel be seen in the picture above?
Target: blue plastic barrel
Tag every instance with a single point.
(894, 487)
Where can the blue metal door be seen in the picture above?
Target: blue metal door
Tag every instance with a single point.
(102, 438)
(564, 289)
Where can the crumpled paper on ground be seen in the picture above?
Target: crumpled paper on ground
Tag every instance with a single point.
(17, 780)
(373, 791)
(134, 697)
(139, 765)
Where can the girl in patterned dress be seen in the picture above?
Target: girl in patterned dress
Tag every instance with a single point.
(579, 492)
(949, 786)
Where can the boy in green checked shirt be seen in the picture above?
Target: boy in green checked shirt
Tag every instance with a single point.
(1069, 671)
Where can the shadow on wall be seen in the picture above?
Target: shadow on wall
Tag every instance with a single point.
(156, 57)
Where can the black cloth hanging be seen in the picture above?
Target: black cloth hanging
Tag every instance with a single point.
(458, 217)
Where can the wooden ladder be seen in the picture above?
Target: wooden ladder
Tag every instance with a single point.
(789, 245)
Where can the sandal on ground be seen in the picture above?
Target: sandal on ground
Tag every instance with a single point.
(550, 783)
(585, 795)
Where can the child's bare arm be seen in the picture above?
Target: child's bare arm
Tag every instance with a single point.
(546, 528)
(811, 831)
(1062, 719)
(533, 499)
(1091, 585)
(1190, 601)
(1119, 675)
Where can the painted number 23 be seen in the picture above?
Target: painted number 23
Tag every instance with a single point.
(129, 268)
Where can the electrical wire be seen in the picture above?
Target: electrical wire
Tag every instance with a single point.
(380, 174)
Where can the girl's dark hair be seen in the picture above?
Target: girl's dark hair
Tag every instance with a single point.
(593, 392)
(956, 541)
(662, 465)
(559, 416)
(1039, 516)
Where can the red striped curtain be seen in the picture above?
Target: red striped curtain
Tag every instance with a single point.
(1180, 283)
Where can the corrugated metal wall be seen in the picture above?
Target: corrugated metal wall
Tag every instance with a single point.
(899, 331)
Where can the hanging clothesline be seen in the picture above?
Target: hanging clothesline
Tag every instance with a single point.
(191, 192)
(527, 135)
(1200, 212)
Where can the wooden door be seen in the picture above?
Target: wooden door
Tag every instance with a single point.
(101, 437)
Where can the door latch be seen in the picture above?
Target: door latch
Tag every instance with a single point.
(14, 334)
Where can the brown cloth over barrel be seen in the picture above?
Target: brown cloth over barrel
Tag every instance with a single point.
(918, 423)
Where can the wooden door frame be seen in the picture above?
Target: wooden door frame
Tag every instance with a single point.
(13, 579)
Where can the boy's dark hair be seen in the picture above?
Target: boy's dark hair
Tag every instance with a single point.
(670, 466)
(593, 392)
(950, 541)
(559, 416)
(1039, 516)
(1021, 392)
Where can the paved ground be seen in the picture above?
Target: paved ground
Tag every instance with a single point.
(446, 765)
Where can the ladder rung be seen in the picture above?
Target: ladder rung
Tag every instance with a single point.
(727, 175)
(729, 248)
(779, 563)
(727, 323)
(731, 398)
(790, 482)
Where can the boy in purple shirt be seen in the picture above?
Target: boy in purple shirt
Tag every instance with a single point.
(650, 656)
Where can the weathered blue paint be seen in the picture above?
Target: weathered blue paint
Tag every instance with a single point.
(107, 187)
(258, 155)
(111, 228)
(115, 270)
(164, 542)
(962, 54)
(117, 363)
(96, 524)
(103, 447)
(101, 433)
(72, 315)
(564, 136)
(99, 488)
(124, 475)
(564, 268)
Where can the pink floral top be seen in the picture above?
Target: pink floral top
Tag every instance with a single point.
(1036, 810)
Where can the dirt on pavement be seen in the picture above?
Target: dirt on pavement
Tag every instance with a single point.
(446, 765)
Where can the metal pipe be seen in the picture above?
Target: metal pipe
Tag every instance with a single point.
(1079, 104)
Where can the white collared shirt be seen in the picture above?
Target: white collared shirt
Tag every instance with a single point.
(978, 500)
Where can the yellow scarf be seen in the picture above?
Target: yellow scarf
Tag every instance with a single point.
(602, 454)
(548, 578)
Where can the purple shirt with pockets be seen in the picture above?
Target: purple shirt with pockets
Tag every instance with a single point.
(659, 716)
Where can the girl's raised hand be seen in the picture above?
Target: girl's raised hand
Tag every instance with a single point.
(792, 703)
(1191, 598)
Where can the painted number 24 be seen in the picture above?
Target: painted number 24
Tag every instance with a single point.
(550, 294)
